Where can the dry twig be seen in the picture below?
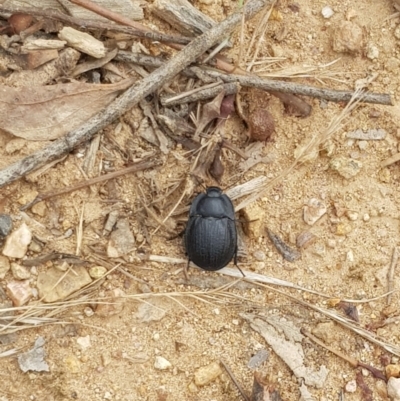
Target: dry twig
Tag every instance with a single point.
(129, 99)
(235, 382)
(143, 165)
(352, 361)
(268, 85)
(390, 276)
(98, 25)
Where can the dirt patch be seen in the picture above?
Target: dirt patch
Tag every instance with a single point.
(113, 356)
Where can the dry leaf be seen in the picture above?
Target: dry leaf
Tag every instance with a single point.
(48, 112)
(285, 339)
(217, 168)
(211, 111)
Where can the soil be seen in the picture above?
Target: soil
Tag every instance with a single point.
(196, 331)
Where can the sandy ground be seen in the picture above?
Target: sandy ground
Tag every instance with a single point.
(118, 364)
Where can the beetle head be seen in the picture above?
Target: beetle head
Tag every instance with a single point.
(214, 192)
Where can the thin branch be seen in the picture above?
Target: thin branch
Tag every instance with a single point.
(299, 89)
(199, 94)
(352, 361)
(268, 85)
(235, 382)
(129, 98)
(390, 275)
(143, 165)
(55, 15)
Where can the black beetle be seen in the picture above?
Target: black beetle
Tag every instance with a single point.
(210, 234)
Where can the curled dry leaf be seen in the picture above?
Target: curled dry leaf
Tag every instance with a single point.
(288, 253)
(211, 111)
(227, 106)
(350, 310)
(217, 168)
(44, 113)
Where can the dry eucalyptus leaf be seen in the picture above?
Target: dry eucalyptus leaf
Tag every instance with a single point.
(211, 111)
(44, 113)
(285, 338)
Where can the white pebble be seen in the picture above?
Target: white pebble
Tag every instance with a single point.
(156, 336)
(161, 363)
(84, 342)
(372, 52)
(393, 388)
(363, 145)
(353, 216)
(366, 217)
(350, 256)
(351, 386)
(327, 12)
(259, 255)
(331, 243)
(88, 311)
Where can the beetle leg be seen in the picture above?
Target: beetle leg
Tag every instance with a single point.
(235, 262)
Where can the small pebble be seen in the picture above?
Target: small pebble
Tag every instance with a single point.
(393, 388)
(17, 242)
(258, 359)
(372, 51)
(305, 239)
(346, 166)
(331, 243)
(348, 37)
(259, 255)
(34, 246)
(161, 363)
(350, 256)
(72, 364)
(362, 145)
(327, 12)
(19, 292)
(353, 216)
(97, 272)
(313, 211)
(84, 342)
(5, 225)
(319, 249)
(19, 272)
(40, 209)
(397, 32)
(343, 229)
(4, 266)
(88, 311)
(392, 370)
(351, 386)
(366, 217)
(207, 374)
(156, 336)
